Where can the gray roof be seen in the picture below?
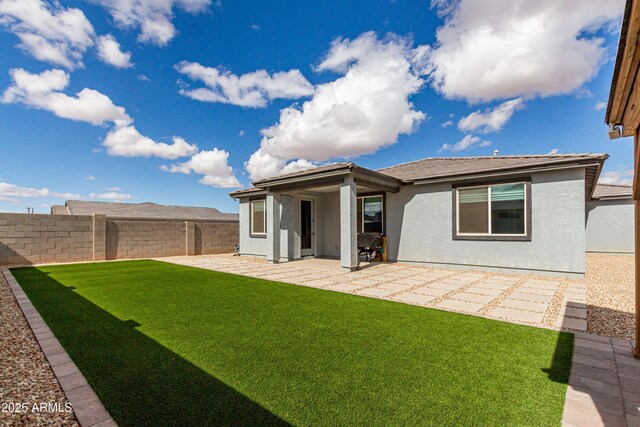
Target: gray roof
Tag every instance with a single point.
(611, 191)
(451, 168)
(442, 167)
(307, 172)
(140, 210)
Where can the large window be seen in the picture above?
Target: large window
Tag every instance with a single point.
(492, 210)
(258, 218)
(370, 211)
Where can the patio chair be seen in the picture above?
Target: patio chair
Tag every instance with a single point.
(369, 245)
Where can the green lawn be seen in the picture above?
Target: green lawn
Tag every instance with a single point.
(163, 344)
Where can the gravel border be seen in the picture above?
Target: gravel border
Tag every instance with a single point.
(71, 387)
(610, 285)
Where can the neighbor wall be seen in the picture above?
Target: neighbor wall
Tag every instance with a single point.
(610, 226)
(35, 238)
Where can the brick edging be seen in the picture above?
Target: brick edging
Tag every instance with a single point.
(87, 407)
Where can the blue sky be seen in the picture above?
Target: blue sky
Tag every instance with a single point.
(383, 78)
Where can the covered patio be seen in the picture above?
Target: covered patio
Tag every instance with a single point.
(320, 212)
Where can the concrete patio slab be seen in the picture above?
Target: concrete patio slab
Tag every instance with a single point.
(375, 292)
(464, 306)
(515, 314)
(537, 307)
(414, 298)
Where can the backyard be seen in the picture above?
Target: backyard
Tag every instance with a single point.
(165, 344)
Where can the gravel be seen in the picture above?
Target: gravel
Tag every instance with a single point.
(610, 295)
(26, 378)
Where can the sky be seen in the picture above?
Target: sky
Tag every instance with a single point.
(182, 101)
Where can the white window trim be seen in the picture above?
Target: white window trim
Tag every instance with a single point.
(362, 213)
(488, 187)
(253, 202)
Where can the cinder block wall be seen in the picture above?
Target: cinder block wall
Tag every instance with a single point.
(30, 239)
(215, 238)
(142, 238)
(37, 238)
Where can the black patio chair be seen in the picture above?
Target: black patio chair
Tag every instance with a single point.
(369, 245)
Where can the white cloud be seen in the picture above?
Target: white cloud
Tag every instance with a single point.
(252, 90)
(113, 188)
(600, 106)
(298, 166)
(363, 110)
(447, 124)
(554, 151)
(467, 143)
(255, 27)
(110, 53)
(490, 120)
(619, 177)
(241, 133)
(152, 17)
(48, 32)
(90, 178)
(143, 78)
(510, 48)
(12, 190)
(128, 142)
(213, 164)
(43, 91)
(111, 195)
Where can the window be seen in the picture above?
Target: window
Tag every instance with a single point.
(258, 217)
(492, 210)
(370, 214)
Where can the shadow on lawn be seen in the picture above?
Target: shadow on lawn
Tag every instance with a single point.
(139, 381)
(561, 362)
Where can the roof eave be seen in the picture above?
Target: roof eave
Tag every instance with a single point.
(622, 44)
(596, 161)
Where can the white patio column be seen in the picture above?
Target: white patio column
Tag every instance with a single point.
(348, 224)
(273, 227)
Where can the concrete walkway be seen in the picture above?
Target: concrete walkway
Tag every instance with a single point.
(604, 386)
(548, 302)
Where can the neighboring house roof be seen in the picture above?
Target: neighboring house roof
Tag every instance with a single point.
(59, 210)
(437, 169)
(612, 192)
(140, 210)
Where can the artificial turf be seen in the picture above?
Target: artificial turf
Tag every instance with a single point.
(163, 344)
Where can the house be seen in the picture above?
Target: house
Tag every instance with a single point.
(610, 220)
(503, 213)
(139, 210)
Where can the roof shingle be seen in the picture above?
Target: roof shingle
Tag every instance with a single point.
(441, 167)
(611, 191)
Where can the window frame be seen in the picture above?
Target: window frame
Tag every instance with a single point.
(252, 202)
(488, 236)
(384, 206)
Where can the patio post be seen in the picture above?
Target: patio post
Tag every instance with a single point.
(348, 224)
(273, 227)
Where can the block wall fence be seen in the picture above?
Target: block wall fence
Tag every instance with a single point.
(37, 238)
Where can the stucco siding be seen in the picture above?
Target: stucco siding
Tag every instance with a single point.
(249, 245)
(610, 226)
(420, 224)
(330, 205)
